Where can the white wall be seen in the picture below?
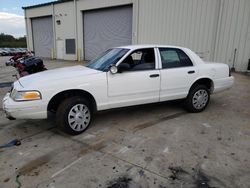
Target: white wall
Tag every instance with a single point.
(32, 13)
(189, 23)
(212, 28)
(234, 33)
(66, 30)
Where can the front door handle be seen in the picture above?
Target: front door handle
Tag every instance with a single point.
(191, 72)
(154, 75)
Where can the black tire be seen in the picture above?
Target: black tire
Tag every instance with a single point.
(68, 107)
(191, 104)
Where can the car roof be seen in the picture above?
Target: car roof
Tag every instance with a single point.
(134, 47)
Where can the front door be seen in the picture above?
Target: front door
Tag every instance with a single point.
(137, 80)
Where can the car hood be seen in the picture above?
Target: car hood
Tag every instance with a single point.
(56, 75)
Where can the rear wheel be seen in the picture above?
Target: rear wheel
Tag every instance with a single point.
(198, 98)
(74, 115)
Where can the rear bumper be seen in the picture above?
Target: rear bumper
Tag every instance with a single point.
(24, 110)
(223, 84)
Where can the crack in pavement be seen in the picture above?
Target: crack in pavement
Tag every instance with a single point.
(156, 121)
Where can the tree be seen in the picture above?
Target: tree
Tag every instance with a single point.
(11, 42)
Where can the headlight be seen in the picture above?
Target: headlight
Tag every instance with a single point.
(25, 95)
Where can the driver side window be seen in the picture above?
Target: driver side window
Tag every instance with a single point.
(138, 60)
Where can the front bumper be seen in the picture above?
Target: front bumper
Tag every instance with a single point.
(25, 109)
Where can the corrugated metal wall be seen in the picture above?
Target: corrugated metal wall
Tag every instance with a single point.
(234, 33)
(189, 23)
(212, 28)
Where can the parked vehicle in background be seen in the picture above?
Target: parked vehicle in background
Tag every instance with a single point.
(3, 52)
(29, 66)
(24, 49)
(123, 76)
(12, 51)
(26, 63)
(17, 57)
(7, 50)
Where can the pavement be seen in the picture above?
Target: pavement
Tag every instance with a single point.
(156, 145)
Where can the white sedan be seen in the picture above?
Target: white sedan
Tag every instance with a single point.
(123, 76)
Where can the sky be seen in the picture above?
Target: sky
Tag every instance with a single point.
(12, 16)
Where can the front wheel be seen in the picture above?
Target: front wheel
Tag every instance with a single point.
(74, 115)
(198, 98)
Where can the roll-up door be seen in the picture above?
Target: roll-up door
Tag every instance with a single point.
(106, 28)
(42, 30)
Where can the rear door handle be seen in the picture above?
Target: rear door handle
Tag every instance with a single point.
(191, 72)
(154, 75)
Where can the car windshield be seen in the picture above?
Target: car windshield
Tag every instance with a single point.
(107, 58)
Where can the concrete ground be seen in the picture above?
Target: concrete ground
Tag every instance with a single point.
(156, 145)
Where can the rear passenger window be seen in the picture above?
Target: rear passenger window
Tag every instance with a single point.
(172, 58)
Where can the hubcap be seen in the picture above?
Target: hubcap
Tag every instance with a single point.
(79, 117)
(200, 99)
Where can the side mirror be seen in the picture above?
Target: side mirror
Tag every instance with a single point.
(113, 69)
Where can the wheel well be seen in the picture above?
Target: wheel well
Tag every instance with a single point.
(204, 81)
(58, 98)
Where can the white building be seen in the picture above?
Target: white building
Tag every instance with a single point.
(218, 30)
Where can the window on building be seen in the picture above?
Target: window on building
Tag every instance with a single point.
(70, 46)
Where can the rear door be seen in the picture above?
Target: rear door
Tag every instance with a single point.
(177, 73)
(138, 81)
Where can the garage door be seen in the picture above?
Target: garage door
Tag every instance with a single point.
(106, 28)
(42, 30)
